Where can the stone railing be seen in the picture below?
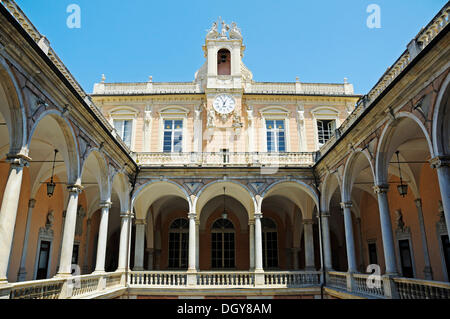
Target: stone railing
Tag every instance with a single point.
(146, 88)
(292, 279)
(387, 287)
(38, 289)
(244, 159)
(157, 278)
(299, 88)
(224, 279)
(74, 287)
(408, 288)
(420, 42)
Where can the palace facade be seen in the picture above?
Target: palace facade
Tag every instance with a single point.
(223, 186)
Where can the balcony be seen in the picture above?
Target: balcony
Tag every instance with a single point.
(338, 284)
(226, 159)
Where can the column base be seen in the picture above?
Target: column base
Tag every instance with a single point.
(310, 268)
(138, 269)
(62, 276)
(99, 272)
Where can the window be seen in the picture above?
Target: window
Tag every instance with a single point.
(222, 244)
(173, 136)
(275, 130)
(226, 155)
(178, 243)
(405, 258)
(373, 258)
(44, 255)
(123, 128)
(270, 243)
(325, 130)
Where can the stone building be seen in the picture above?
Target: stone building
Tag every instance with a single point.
(223, 186)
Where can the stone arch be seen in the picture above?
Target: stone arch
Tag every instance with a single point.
(151, 191)
(12, 109)
(69, 147)
(441, 120)
(352, 169)
(330, 183)
(293, 185)
(234, 189)
(389, 141)
(121, 186)
(99, 172)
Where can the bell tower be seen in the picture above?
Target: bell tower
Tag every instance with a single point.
(224, 52)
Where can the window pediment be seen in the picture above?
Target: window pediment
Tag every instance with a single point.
(274, 111)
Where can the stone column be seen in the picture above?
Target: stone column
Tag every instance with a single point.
(102, 237)
(309, 244)
(349, 238)
(86, 247)
(22, 275)
(124, 235)
(192, 244)
(386, 230)
(139, 245)
(251, 226)
(8, 212)
(326, 241)
(65, 262)
(197, 244)
(258, 244)
(441, 164)
(428, 272)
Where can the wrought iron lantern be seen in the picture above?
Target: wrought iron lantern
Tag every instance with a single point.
(402, 188)
(51, 185)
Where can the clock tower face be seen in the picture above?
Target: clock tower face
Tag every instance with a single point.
(224, 104)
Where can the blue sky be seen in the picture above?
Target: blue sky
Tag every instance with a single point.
(318, 41)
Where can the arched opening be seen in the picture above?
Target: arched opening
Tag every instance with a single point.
(223, 62)
(291, 205)
(414, 198)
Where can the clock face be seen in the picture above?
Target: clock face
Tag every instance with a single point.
(224, 104)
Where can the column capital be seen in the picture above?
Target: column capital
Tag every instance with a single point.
(440, 161)
(31, 203)
(75, 188)
(324, 214)
(251, 222)
(308, 221)
(140, 222)
(126, 215)
(192, 215)
(380, 189)
(105, 204)
(18, 160)
(418, 202)
(346, 205)
(258, 215)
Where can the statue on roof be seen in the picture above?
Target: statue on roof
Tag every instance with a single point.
(225, 29)
(235, 32)
(213, 33)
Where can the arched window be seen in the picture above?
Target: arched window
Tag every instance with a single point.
(223, 62)
(222, 244)
(270, 243)
(178, 243)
